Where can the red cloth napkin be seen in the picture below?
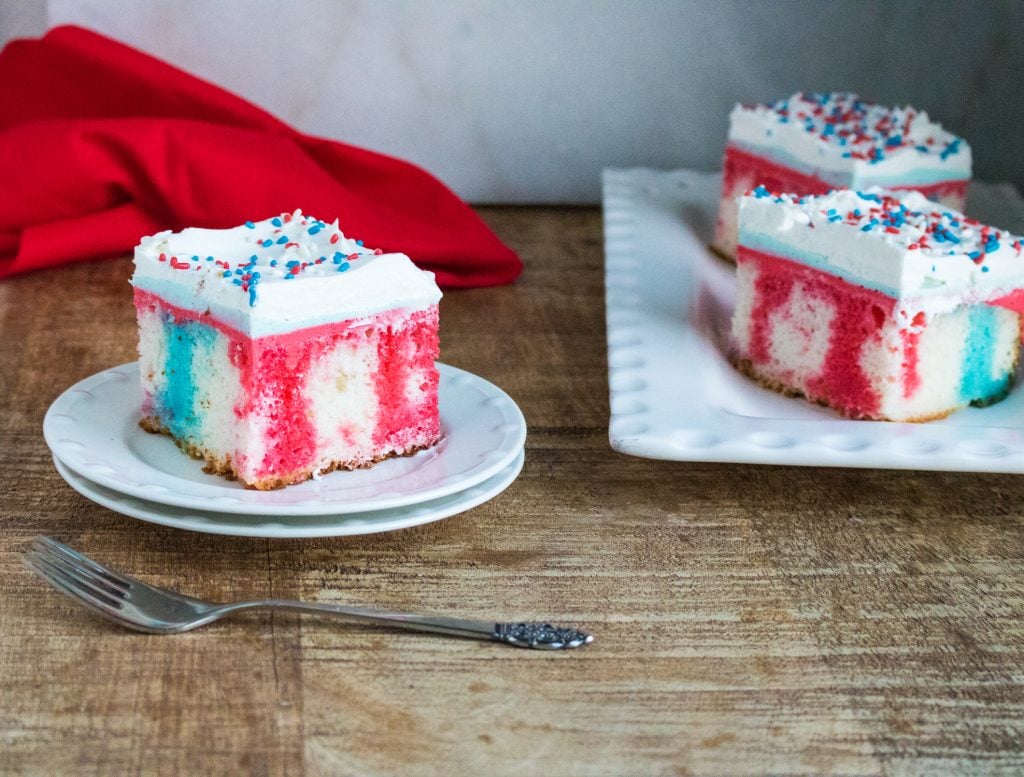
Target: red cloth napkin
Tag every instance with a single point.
(101, 144)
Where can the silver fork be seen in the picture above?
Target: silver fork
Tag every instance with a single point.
(154, 610)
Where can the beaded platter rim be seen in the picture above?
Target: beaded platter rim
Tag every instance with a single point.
(92, 428)
(674, 395)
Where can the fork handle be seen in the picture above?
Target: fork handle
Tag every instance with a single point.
(536, 635)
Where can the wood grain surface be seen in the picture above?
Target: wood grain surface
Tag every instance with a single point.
(747, 619)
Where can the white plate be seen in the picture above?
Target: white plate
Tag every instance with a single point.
(674, 395)
(344, 524)
(93, 428)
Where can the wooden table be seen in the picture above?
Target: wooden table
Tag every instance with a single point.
(748, 619)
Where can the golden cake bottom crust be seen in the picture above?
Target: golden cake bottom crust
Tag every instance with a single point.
(221, 465)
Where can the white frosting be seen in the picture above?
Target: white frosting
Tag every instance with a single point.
(337, 278)
(898, 243)
(910, 148)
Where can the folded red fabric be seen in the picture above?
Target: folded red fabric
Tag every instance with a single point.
(101, 144)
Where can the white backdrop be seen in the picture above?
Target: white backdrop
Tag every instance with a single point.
(526, 101)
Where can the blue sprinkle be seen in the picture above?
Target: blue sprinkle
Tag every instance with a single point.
(237, 282)
(985, 268)
(314, 229)
(760, 191)
(238, 271)
(922, 149)
(951, 148)
(226, 274)
(288, 277)
(252, 295)
(283, 239)
(273, 262)
(895, 140)
(195, 258)
(256, 275)
(209, 258)
(276, 221)
(974, 254)
(359, 242)
(267, 243)
(343, 266)
(293, 263)
(337, 257)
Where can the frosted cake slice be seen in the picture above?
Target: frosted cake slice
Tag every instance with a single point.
(813, 143)
(281, 349)
(880, 307)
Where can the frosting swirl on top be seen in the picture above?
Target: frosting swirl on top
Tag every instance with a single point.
(897, 242)
(277, 274)
(851, 142)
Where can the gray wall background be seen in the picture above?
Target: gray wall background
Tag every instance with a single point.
(527, 101)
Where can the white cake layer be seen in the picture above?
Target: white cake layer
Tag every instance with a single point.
(218, 390)
(799, 333)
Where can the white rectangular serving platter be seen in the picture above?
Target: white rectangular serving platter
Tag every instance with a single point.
(674, 394)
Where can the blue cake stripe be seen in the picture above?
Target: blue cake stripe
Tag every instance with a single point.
(977, 382)
(178, 399)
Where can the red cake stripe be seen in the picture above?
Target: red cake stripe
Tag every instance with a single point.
(745, 170)
(860, 316)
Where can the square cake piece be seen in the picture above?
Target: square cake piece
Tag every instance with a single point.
(279, 350)
(880, 307)
(813, 143)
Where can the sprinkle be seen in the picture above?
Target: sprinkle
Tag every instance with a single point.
(343, 266)
(276, 222)
(267, 243)
(282, 240)
(314, 229)
(864, 130)
(250, 225)
(335, 238)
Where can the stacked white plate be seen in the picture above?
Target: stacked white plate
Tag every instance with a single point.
(100, 450)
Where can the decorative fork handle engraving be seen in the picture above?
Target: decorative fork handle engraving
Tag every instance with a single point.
(540, 636)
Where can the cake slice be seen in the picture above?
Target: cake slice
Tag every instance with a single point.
(880, 307)
(280, 350)
(813, 143)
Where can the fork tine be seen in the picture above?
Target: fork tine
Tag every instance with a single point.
(79, 572)
(81, 561)
(71, 584)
